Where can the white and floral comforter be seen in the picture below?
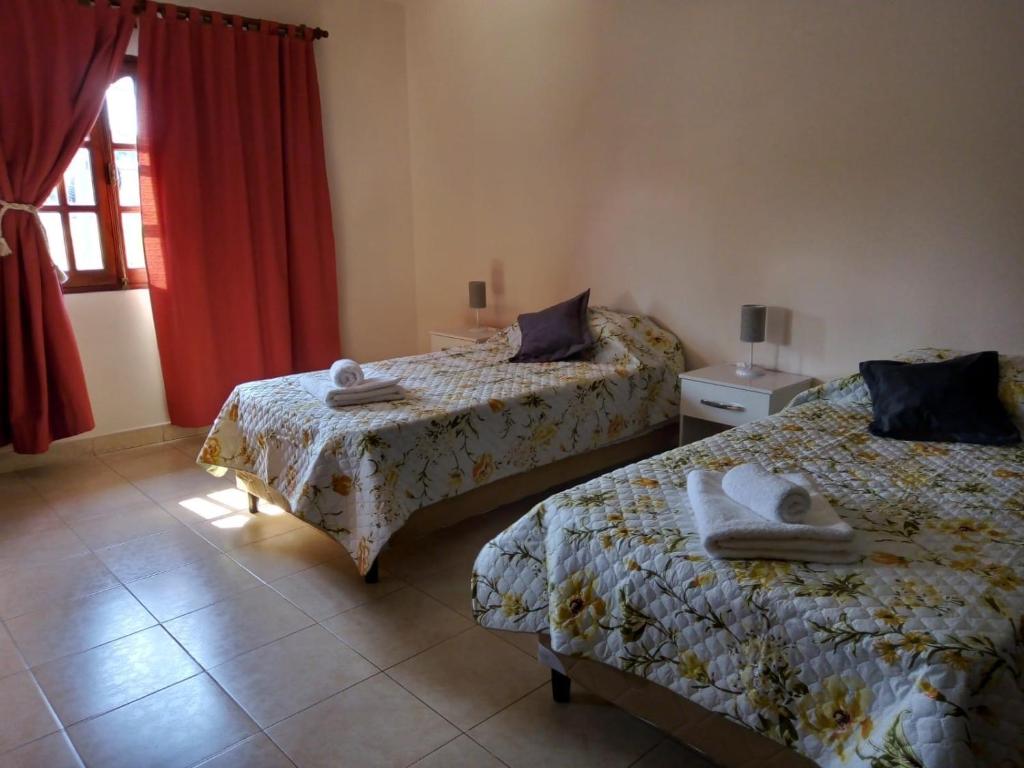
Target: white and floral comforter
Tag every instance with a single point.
(913, 657)
(471, 417)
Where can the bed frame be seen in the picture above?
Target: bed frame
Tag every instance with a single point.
(563, 473)
(723, 741)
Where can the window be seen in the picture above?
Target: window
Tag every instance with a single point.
(93, 218)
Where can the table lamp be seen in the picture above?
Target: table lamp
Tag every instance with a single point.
(477, 298)
(752, 322)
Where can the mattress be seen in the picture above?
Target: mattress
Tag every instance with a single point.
(471, 418)
(912, 657)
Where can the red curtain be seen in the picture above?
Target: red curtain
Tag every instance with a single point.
(56, 58)
(239, 242)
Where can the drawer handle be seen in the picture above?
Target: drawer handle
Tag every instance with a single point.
(723, 406)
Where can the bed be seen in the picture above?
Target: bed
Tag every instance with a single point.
(912, 657)
(471, 419)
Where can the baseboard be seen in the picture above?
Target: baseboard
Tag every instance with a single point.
(83, 447)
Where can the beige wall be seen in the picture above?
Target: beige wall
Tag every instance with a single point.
(859, 163)
(366, 127)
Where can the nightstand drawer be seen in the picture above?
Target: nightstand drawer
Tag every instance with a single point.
(723, 405)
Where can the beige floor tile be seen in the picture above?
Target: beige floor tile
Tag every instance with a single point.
(53, 751)
(111, 675)
(670, 754)
(450, 586)
(24, 713)
(463, 752)
(237, 624)
(40, 547)
(290, 674)
(100, 492)
(330, 588)
(13, 488)
(173, 728)
(48, 477)
(451, 548)
(23, 589)
(164, 473)
(30, 515)
(524, 641)
(10, 659)
(239, 528)
(193, 586)
(190, 446)
(124, 525)
(255, 752)
(146, 461)
(289, 553)
(78, 625)
(470, 677)
(434, 553)
(588, 732)
(374, 724)
(397, 626)
(155, 553)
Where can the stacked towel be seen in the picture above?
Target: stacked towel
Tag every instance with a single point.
(347, 373)
(731, 530)
(371, 390)
(773, 497)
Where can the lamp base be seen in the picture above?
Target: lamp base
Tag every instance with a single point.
(748, 371)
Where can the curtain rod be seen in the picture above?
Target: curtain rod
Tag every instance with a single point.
(183, 12)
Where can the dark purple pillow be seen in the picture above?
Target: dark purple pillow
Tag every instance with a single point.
(556, 333)
(953, 401)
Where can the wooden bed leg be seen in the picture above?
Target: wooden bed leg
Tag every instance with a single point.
(373, 575)
(254, 504)
(561, 686)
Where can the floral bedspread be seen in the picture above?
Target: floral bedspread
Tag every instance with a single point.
(470, 418)
(912, 657)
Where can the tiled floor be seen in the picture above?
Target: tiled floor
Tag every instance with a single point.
(146, 619)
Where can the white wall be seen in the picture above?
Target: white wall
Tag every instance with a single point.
(117, 342)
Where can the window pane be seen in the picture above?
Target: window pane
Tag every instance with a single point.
(127, 162)
(55, 238)
(121, 111)
(134, 255)
(53, 199)
(85, 239)
(78, 180)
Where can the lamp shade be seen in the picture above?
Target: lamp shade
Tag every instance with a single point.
(477, 294)
(752, 319)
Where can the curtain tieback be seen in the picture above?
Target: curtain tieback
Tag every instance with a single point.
(5, 249)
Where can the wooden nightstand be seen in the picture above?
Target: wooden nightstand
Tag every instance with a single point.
(716, 394)
(459, 337)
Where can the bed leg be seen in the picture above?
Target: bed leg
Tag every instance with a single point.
(373, 575)
(561, 686)
(254, 504)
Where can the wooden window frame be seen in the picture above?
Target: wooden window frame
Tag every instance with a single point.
(115, 274)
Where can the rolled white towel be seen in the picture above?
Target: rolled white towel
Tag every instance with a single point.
(773, 497)
(320, 386)
(728, 529)
(346, 373)
(370, 384)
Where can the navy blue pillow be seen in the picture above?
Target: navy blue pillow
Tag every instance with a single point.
(556, 333)
(954, 401)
